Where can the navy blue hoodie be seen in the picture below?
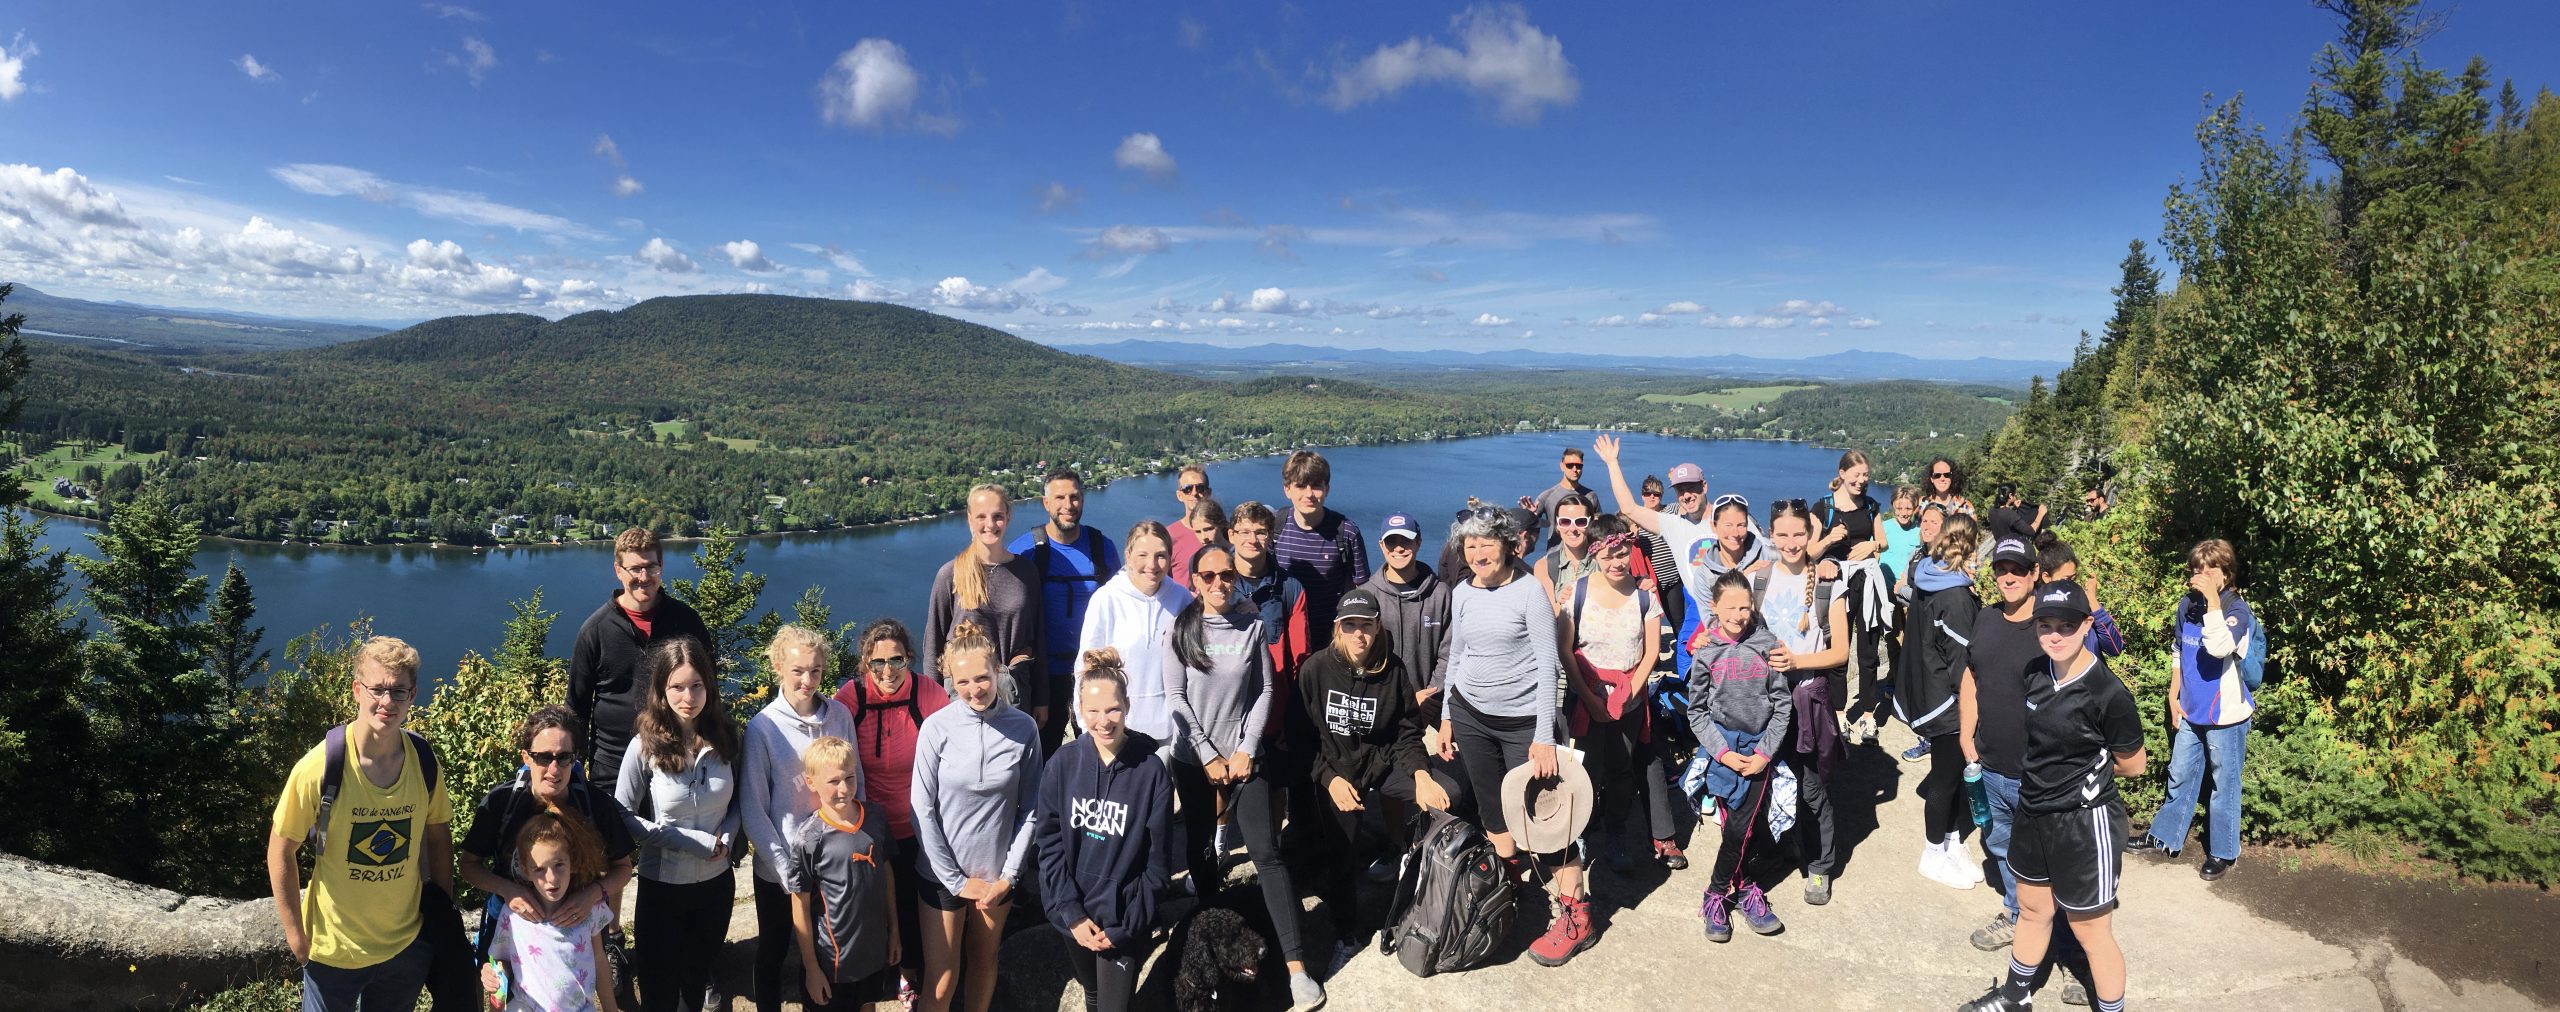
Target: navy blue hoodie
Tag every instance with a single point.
(1104, 843)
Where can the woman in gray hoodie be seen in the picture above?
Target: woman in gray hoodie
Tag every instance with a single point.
(1217, 683)
(975, 792)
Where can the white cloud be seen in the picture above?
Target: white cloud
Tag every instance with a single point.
(623, 184)
(1039, 282)
(1145, 153)
(1611, 320)
(25, 191)
(1683, 307)
(1118, 270)
(1058, 196)
(475, 61)
(1865, 323)
(1802, 307)
(1018, 294)
(443, 269)
(1738, 322)
(1119, 240)
(868, 290)
(836, 255)
(745, 255)
(1490, 320)
(450, 205)
(13, 67)
(454, 12)
(1653, 320)
(873, 87)
(257, 71)
(1276, 300)
(660, 254)
(1499, 55)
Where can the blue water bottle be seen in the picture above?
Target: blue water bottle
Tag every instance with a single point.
(1981, 799)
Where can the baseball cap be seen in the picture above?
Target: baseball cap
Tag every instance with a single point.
(2012, 550)
(2062, 599)
(1360, 602)
(1401, 525)
(1686, 473)
(1524, 519)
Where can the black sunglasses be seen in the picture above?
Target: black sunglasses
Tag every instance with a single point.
(549, 758)
(1196, 488)
(1786, 507)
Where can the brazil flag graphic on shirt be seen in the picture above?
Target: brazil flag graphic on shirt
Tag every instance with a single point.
(379, 843)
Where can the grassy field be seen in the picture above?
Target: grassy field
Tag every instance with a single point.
(1731, 400)
(65, 462)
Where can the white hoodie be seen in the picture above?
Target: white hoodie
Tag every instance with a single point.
(1141, 627)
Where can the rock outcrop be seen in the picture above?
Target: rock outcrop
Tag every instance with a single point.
(78, 940)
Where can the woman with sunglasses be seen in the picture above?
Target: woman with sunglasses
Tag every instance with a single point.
(890, 705)
(988, 584)
(680, 783)
(1942, 485)
(1218, 684)
(1702, 548)
(549, 781)
(1570, 559)
(774, 796)
(975, 790)
(1204, 524)
(1812, 625)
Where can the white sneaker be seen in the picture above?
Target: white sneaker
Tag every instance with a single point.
(1305, 995)
(1962, 858)
(1944, 868)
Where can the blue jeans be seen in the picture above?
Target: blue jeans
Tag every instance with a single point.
(388, 986)
(2003, 791)
(2192, 750)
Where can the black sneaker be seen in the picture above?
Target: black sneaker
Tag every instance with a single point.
(618, 957)
(2213, 869)
(2142, 843)
(1991, 1001)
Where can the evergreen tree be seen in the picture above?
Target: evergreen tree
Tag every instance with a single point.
(44, 743)
(231, 644)
(14, 365)
(725, 596)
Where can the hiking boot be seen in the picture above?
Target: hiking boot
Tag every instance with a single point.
(1817, 890)
(1668, 852)
(2213, 868)
(1756, 912)
(618, 959)
(1717, 908)
(1916, 752)
(2074, 994)
(1991, 1001)
(1996, 935)
(1568, 933)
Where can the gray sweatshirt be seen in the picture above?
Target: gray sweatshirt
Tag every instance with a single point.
(1731, 686)
(691, 814)
(976, 792)
(1222, 710)
(1011, 616)
(1416, 617)
(1502, 651)
(773, 799)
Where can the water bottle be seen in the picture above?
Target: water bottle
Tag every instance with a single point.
(1981, 798)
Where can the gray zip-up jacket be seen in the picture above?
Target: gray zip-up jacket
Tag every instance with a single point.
(773, 797)
(1222, 710)
(1732, 686)
(1416, 617)
(976, 792)
(690, 814)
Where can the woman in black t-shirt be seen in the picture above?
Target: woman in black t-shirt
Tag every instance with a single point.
(1850, 532)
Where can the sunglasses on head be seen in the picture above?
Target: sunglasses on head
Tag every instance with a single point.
(1790, 507)
(1730, 498)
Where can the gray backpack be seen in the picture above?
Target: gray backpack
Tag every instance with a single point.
(1454, 903)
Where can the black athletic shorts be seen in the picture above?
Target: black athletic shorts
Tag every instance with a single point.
(2078, 853)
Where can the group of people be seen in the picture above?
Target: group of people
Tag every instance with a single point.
(1125, 708)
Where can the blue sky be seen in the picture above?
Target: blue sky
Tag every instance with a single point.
(1945, 179)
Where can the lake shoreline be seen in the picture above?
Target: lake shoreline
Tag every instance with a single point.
(852, 528)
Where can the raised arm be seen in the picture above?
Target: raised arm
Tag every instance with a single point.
(1605, 447)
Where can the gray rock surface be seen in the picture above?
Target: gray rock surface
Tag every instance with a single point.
(78, 940)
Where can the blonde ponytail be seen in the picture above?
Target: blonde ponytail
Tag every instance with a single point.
(968, 572)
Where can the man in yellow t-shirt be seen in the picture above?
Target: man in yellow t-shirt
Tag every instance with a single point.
(356, 930)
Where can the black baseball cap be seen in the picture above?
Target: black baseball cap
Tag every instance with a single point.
(1360, 602)
(2062, 599)
(2014, 550)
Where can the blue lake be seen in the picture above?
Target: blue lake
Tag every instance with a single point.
(448, 601)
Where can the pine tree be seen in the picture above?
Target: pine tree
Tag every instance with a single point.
(44, 743)
(725, 597)
(231, 644)
(14, 366)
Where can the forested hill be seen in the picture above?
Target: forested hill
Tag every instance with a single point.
(752, 412)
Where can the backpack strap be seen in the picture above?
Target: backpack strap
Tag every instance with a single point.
(1581, 593)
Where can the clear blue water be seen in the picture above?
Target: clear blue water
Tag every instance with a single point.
(447, 602)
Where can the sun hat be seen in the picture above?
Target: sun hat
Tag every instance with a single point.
(1546, 816)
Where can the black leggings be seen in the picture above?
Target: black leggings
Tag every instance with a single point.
(1942, 791)
(1488, 753)
(1746, 839)
(1256, 806)
(1109, 979)
(773, 938)
(680, 928)
(1621, 769)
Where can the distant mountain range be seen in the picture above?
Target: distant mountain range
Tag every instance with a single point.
(172, 331)
(1846, 366)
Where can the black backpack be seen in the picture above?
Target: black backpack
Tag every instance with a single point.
(1454, 903)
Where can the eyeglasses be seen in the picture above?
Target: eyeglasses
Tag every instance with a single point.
(1214, 575)
(1196, 488)
(1575, 522)
(891, 661)
(1242, 533)
(393, 695)
(642, 569)
(549, 758)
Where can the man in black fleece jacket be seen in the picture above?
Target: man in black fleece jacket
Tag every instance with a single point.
(608, 684)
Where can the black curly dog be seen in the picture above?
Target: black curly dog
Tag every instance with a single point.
(1221, 962)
